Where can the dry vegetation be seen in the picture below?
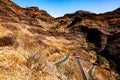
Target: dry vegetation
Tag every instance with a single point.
(31, 41)
(29, 54)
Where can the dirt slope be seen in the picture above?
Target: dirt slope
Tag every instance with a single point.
(31, 41)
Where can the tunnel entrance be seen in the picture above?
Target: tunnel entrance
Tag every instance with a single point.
(94, 36)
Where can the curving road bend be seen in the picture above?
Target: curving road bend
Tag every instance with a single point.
(62, 60)
(81, 69)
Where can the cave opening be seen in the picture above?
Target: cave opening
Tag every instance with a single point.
(94, 36)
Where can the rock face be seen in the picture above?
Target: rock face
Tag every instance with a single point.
(10, 11)
(31, 41)
(103, 30)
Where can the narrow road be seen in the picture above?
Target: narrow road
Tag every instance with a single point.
(90, 71)
(62, 60)
(81, 69)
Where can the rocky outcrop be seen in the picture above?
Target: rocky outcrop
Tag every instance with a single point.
(112, 51)
(31, 41)
(12, 12)
(102, 30)
(81, 14)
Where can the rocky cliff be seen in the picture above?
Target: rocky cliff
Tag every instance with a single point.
(102, 30)
(31, 41)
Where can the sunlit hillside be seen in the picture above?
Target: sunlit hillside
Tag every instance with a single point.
(32, 41)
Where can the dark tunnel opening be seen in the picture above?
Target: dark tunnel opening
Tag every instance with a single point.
(94, 36)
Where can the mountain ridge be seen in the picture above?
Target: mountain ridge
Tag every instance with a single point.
(31, 41)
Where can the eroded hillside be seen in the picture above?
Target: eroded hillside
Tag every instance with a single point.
(31, 41)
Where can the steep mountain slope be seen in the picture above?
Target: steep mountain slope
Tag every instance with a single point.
(100, 30)
(9, 11)
(31, 41)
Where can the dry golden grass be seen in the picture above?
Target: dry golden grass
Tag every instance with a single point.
(26, 65)
(4, 31)
(31, 41)
(12, 67)
(31, 55)
(53, 41)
